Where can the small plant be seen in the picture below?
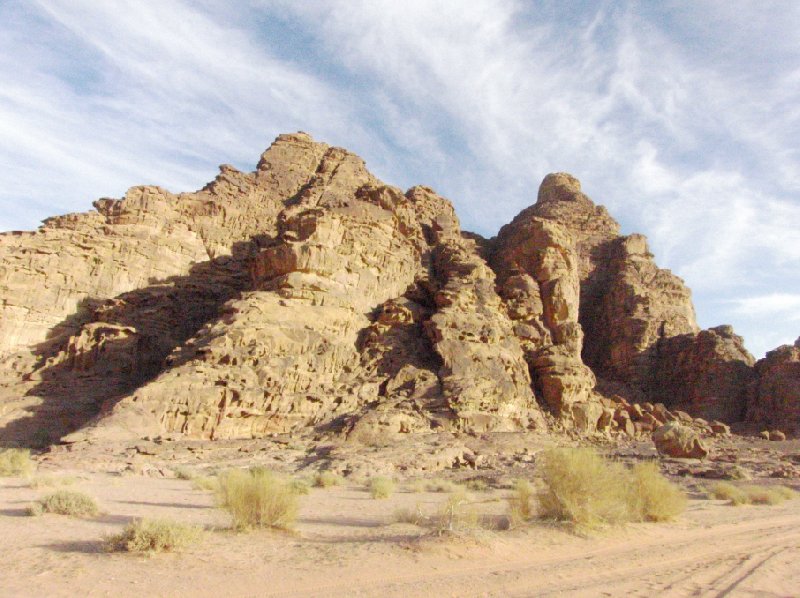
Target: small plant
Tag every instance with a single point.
(34, 509)
(326, 479)
(441, 485)
(521, 508)
(184, 473)
(477, 485)
(652, 497)
(751, 494)
(413, 516)
(15, 462)
(48, 481)
(206, 483)
(380, 487)
(300, 486)
(153, 535)
(67, 502)
(257, 499)
(456, 515)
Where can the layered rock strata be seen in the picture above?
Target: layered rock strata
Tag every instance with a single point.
(308, 295)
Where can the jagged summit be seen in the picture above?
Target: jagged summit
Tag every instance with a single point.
(309, 295)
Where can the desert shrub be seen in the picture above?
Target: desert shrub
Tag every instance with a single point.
(49, 481)
(184, 473)
(153, 535)
(380, 487)
(456, 515)
(300, 486)
(653, 497)
(15, 462)
(441, 485)
(583, 488)
(257, 499)
(413, 516)
(206, 483)
(751, 494)
(521, 507)
(326, 479)
(34, 509)
(68, 502)
(477, 485)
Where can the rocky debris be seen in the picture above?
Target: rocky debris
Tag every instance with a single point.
(676, 440)
(308, 295)
(775, 395)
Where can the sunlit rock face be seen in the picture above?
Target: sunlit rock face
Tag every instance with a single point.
(308, 295)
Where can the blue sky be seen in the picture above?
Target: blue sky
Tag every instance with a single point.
(683, 118)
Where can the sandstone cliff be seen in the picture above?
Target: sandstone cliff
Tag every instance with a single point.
(308, 295)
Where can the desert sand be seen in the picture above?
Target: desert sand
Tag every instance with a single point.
(345, 544)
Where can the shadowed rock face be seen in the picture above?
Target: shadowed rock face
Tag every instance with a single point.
(774, 399)
(309, 295)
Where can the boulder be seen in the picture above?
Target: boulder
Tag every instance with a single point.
(676, 440)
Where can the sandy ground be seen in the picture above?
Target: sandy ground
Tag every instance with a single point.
(346, 545)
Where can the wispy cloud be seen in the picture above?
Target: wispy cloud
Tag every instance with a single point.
(684, 119)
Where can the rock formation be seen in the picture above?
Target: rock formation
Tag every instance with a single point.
(774, 399)
(308, 295)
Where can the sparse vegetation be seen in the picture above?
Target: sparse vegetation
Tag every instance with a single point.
(521, 507)
(184, 473)
(652, 496)
(259, 500)
(456, 515)
(326, 479)
(413, 516)
(68, 502)
(48, 481)
(589, 491)
(153, 535)
(380, 487)
(751, 494)
(300, 486)
(207, 483)
(477, 485)
(434, 485)
(15, 462)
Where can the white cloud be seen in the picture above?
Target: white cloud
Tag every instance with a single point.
(684, 119)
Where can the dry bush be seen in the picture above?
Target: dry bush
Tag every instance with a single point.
(326, 479)
(153, 535)
(15, 462)
(652, 496)
(300, 486)
(521, 507)
(456, 515)
(477, 485)
(581, 487)
(441, 485)
(67, 502)
(751, 494)
(413, 516)
(49, 481)
(380, 487)
(206, 483)
(257, 499)
(185, 473)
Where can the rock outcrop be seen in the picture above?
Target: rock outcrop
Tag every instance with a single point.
(774, 399)
(308, 295)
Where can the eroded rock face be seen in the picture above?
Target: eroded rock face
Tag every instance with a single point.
(308, 295)
(774, 400)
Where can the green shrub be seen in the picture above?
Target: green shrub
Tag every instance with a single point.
(380, 487)
(67, 502)
(15, 462)
(153, 535)
(257, 499)
(300, 486)
(456, 515)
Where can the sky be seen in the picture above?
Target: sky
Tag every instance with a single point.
(682, 118)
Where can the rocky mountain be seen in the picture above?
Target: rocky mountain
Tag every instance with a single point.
(310, 296)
